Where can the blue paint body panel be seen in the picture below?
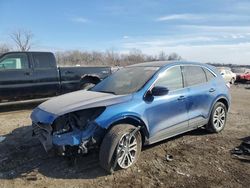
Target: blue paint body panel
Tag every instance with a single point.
(164, 116)
(39, 115)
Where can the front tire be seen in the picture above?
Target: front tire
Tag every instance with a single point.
(218, 118)
(118, 141)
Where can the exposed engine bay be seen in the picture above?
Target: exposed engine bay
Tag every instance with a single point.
(75, 132)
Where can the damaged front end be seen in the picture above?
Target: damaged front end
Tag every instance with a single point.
(74, 132)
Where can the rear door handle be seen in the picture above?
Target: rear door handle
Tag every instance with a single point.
(181, 98)
(211, 90)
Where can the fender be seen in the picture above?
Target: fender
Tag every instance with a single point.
(122, 118)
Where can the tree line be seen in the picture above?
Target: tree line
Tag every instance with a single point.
(23, 40)
(108, 58)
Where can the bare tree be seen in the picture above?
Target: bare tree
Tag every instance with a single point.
(4, 48)
(22, 39)
(112, 58)
(174, 56)
(162, 56)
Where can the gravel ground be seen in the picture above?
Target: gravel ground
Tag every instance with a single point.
(200, 159)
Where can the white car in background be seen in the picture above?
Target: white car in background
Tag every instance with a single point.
(227, 74)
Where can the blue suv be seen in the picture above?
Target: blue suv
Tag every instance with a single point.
(137, 105)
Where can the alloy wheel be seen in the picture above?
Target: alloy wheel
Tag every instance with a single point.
(219, 118)
(127, 148)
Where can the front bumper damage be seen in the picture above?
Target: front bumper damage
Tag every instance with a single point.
(69, 143)
(43, 133)
(70, 133)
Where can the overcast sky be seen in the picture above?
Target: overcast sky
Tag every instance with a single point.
(198, 30)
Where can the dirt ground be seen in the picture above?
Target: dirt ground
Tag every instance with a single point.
(200, 159)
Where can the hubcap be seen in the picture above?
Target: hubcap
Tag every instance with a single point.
(126, 150)
(219, 118)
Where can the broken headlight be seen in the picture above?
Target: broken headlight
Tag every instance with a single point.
(76, 120)
(61, 126)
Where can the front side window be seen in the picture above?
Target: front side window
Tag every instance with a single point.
(193, 75)
(14, 61)
(171, 79)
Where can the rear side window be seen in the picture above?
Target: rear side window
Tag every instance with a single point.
(209, 75)
(171, 78)
(44, 60)
(193, 75)
(14, 61)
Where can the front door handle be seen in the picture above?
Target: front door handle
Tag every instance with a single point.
(211, 90)
(181, 98)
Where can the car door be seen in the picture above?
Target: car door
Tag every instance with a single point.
(167, 115)
(46, 75)
(201, 93)
(15, 76)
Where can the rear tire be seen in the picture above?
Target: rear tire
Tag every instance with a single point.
(218, 117)
(113, 143)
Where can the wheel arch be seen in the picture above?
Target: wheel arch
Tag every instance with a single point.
(221, 99)
(224, 101)
(90, 78)
(132, 120)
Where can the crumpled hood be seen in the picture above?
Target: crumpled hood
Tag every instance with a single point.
(81, 100)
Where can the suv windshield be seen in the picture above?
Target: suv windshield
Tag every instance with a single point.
(126, 80)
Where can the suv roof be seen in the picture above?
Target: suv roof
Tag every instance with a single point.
(164, 63)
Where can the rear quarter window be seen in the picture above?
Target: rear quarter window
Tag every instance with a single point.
(44, 60)
(193, 75)
(209, 74)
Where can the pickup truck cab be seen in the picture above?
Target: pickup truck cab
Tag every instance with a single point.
(35, 75)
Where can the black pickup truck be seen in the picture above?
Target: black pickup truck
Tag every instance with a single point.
(35, 75)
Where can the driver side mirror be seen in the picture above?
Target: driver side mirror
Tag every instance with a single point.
(159, 91)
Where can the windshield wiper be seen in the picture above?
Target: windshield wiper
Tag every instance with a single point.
(108, 92)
